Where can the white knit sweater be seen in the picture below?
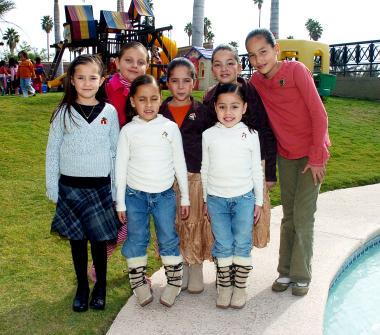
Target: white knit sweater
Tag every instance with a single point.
(231, 162)
(149, 155)
(82, 150)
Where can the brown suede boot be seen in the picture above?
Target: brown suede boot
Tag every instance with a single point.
(185, 277)
(196, 279)
(241, 274)
(174, 282)
(141, 289)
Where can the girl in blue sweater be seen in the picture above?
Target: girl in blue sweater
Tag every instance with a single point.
(80, 159)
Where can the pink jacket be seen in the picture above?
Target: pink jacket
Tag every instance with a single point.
(117, 95)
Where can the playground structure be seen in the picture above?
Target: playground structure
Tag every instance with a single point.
(316, 57)
(105, 38)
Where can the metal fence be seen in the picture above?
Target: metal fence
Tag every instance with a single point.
(356, 58)
(346, 59)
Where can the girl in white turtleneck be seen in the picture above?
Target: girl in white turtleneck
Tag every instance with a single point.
(232, 179)
(149, 157)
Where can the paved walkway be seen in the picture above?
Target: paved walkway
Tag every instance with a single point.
(345, 220)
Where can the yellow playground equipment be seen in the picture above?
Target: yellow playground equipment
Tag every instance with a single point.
(316, 56)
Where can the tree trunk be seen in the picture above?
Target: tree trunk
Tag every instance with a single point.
(57, 33)
(120, 5)
(48, 49)
(274, 18)
(197, 24)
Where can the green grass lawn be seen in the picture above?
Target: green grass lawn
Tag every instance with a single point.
(37, 281)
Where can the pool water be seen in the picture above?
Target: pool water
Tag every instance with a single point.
(353, 305)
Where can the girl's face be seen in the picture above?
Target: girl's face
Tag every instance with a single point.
(87, 80)
(132, 63)
(147, 101)
(230, 109)
(262, 56)
(225, 67)
(181, 85)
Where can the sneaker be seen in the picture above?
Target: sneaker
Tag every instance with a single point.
(300, 289)
(281, 284)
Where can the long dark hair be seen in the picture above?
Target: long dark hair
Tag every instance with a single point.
(145, 79)
(248, 118)
(70, 94)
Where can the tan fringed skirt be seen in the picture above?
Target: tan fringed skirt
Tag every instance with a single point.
(196, 239)
(261, 232)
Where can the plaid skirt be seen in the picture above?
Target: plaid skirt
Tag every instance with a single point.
(85, 214)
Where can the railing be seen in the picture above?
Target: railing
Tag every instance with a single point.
(347, 59)
(356, 58)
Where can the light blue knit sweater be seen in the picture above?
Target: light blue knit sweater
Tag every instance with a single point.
(82, 150)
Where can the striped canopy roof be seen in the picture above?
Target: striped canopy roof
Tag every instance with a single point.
(82, 23)
(114, 22)
(139, 7)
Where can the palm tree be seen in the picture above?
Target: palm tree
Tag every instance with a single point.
(57, 33)
(234, 44)
(188, 30)
(12, 37)
(47, 25)
(198, 23)
(209, 38)
(206, 26)
(120, 5)
(314, 28)
(274, 18)
(259, 3)
(6, 6)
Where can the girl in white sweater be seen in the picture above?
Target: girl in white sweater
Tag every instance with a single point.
(149, 157)
(232, 180)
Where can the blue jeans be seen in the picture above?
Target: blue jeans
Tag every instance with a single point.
(26, 86)
(162, 206)
(232, 223)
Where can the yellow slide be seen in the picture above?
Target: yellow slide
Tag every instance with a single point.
(56, 81)
(170, 45)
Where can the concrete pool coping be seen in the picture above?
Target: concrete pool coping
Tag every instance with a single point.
(345, 220)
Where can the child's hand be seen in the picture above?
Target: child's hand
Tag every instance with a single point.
(318, 173)
(257, 214)
(122, 217)
(185, 210)
(270, 184)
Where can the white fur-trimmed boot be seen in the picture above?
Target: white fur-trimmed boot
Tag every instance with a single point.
(241, 274)
(137, 277)
(173, 270)
(195, 279)
(224, 281)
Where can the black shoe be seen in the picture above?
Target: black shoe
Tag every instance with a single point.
(80, 302)
(98, 298)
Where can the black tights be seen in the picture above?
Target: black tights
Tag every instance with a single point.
(80, 260)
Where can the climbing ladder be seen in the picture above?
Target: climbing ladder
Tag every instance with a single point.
(59, 50)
